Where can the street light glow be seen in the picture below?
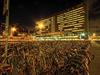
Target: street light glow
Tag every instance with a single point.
(82, 34)
(41, 26)
(13, 29)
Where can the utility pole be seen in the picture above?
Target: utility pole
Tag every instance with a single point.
(6, 14)
(87, 17)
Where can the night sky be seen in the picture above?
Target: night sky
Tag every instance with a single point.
(26, 12)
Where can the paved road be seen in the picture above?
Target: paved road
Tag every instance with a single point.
(95, 65)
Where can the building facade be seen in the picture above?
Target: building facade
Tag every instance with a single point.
(71, 21)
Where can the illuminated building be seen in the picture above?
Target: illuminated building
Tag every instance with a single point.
(70, 21)
(49, 24)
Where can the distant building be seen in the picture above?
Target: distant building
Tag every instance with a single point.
(2, 28)
(49, 24)
(70, 21)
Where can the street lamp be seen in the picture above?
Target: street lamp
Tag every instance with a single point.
(13, 29)
(40, 26)
(83, 35)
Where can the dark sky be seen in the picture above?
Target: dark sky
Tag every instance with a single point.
(25, 12)
(94, 9)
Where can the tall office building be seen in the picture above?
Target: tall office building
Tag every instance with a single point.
(70, 21)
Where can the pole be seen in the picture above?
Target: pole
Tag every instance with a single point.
(87, 16)
(6, 27)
